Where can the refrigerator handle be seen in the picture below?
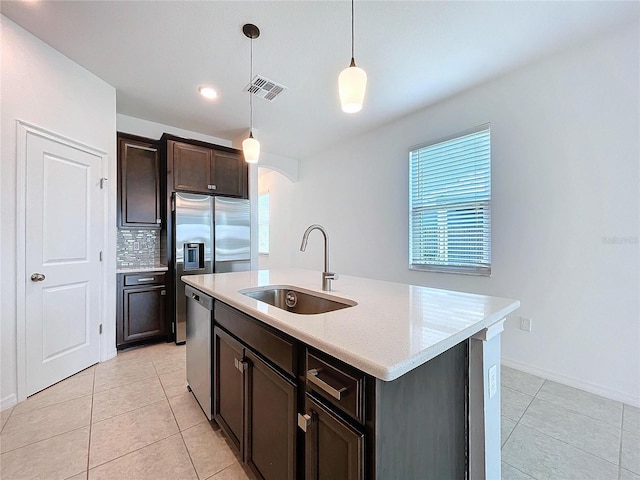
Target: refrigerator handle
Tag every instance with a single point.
(213, 245)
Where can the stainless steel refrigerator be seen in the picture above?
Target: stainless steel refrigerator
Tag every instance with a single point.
(212, 235)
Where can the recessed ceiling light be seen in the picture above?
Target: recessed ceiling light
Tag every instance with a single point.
(208, 92)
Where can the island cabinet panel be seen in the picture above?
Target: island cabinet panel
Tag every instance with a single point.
(254, 401)
(333, 448)
(421, 420)
(271, 422)
(139, 180)
(229, 386)
(296, 412)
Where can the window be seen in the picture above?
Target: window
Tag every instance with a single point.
(263, 224)
(450, 204)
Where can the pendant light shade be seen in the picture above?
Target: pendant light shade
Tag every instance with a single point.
(251, 146)
(251, 149)
(352, 82)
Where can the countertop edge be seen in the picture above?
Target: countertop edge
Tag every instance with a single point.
(382, 372)
(142, 269)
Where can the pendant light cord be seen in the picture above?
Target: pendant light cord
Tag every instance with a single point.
(251, 93)
(352, 37)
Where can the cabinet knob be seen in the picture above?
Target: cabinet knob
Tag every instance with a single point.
(304, 421)
(241, 365)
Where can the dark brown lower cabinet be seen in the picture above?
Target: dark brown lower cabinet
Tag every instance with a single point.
(229, 386)
(294, 412)
(333, 448)
(271, 424)
(255, 406)
(141, 310)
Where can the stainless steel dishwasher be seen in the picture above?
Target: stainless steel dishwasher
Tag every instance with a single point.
(199, 308)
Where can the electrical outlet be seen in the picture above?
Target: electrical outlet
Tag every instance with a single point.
(493, 380)
(525, 324)
(136, 246)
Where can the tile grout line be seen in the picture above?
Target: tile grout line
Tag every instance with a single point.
(133, 451)
(13, 412)
(572, 446)
(9, 417)
(521, 471)
(91, 423)
(562, 441)
(152, 443)
(518, 421)
(620, 446)
(52, 436)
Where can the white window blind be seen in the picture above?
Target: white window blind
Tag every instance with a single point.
(263, 224)
(450, 204)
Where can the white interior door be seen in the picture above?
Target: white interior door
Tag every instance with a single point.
(64, 235)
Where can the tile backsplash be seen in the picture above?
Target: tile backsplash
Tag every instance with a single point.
(138, 248)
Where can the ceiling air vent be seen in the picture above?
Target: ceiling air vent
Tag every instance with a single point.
(264, 88)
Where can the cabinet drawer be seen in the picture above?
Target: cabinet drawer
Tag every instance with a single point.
(260, 338)
(337, 383)
(150, 278)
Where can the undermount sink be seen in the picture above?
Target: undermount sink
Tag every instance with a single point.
(297, 300)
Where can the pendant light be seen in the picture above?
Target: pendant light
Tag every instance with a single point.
(352, 82)
(251, 146)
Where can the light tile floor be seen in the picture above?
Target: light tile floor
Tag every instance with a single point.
(132, 417)
(552, 431)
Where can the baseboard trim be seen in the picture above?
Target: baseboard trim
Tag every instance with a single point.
(574, 382)
(110, 355)
(8, 402)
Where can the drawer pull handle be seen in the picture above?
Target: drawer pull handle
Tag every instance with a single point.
(147, 279)
(312, 376)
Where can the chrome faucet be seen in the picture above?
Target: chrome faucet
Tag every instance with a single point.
(327, 276)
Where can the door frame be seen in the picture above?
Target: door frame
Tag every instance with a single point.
(23, 130)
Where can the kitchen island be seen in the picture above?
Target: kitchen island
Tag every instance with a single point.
(422, 366)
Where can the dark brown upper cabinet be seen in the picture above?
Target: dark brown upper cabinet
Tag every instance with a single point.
(196, 167)
(138, 183)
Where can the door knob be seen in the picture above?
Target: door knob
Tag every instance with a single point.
(37, 277)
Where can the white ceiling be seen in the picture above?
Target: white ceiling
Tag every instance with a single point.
(415, 53)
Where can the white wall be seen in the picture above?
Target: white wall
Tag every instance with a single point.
(42, 87)
(565, 155)
(283, 243)
(154, 130)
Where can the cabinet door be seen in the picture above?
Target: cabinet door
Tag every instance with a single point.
(143, 313)
(333, 449)
(191, 167)
(229, 370)
(271, 430)
(229, 174)
(139, 184)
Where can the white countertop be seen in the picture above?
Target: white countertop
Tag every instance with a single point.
(393, 329)
(160, 268)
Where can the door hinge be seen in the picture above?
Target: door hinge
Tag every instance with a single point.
(100, 329)
(103, 180)
(173, 327)
(100, 255)
(173, 204)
